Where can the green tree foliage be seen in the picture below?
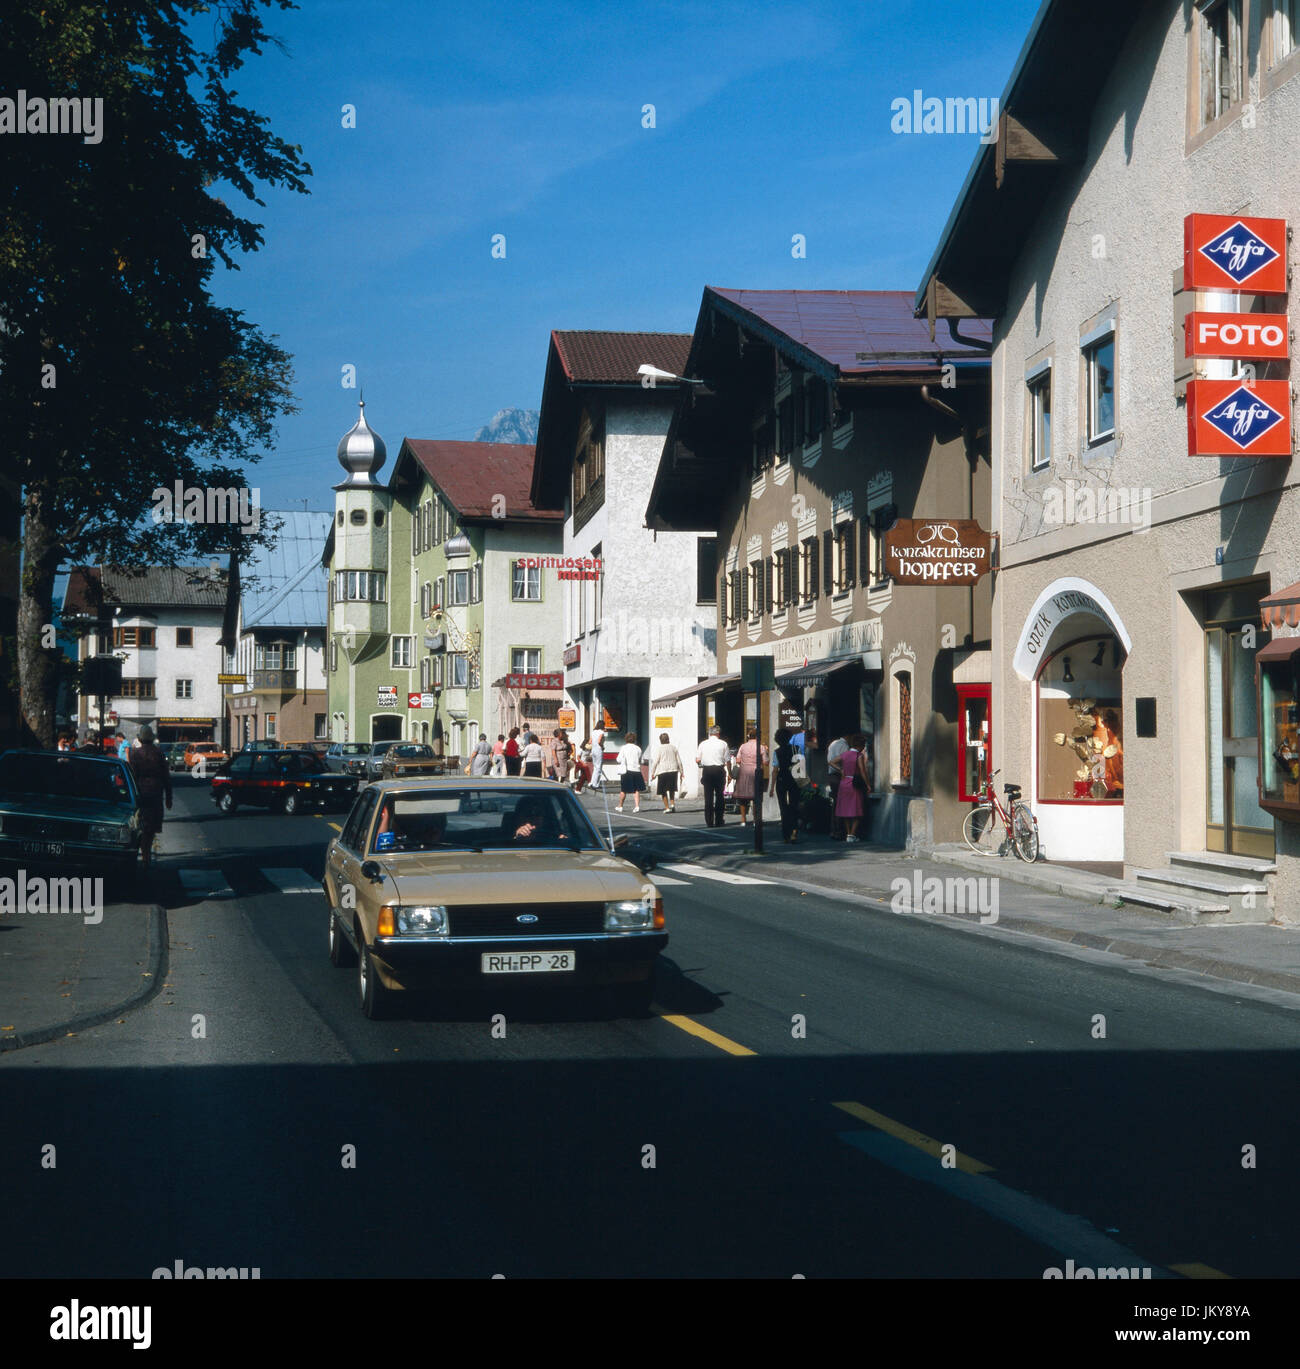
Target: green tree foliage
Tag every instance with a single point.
(107, 250)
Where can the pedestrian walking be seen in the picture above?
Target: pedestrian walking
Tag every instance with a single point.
(498, 768)
(563, 751)
(855, 785)
(481, 761)
(667, 770)
(630, 779)
(833, 754)
(598, 759)
(532, 756)
(499, 745)
(712, 757)
(785, 785)
(582, 766)
(123, 747)
(153, 780)
(511, 752)
(747, 772)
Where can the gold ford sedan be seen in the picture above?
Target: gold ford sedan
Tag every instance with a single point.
(487, 882)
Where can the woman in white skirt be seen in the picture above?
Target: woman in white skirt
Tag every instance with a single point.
(630, 782)
(667, 770)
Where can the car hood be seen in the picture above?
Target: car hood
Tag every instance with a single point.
(85, 809)
(512, 877)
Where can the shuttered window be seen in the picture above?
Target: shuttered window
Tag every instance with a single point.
(828, 561)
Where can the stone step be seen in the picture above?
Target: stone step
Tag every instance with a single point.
(1219, 860)
(1246, 899)
(1184, 910)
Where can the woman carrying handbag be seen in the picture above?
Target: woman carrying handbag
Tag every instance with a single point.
(855, 785)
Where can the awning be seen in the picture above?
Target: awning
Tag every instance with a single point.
(1279, 649)
(817, 672)
(703, 687)
(1281, 608)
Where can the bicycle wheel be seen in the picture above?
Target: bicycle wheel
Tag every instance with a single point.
(982, 830)
(1024, 832)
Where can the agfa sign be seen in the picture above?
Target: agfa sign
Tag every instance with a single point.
(1232, 418)
(1224, 252)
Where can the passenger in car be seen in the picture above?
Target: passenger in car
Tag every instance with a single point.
(534, 821)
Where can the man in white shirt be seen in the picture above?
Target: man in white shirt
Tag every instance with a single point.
(597, 758)
(712, 758)
(833, 753)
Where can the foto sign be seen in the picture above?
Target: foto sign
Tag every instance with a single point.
(1232, 418)
(1266, 336)
(1225, 252)
(937, 551)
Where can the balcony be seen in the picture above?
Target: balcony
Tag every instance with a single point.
(275, 681)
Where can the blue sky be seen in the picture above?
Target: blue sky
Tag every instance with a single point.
(526, 120)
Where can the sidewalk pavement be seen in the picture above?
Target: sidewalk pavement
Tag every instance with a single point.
(60, 974)
(1056, 902)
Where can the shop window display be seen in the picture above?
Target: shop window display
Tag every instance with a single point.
(1280, 737)
(1080, 729)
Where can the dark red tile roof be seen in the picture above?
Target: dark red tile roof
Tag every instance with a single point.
(472, 474)
(601, 358)
(860, 331)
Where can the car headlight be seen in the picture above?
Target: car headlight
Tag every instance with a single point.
(429, 918)
(110, 832)
(643, 915)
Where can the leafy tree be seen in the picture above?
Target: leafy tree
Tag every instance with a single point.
(118, 373)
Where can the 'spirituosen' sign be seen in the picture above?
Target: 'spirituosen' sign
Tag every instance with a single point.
(937, 551)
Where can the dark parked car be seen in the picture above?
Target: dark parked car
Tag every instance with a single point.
(67, 809)
(375, 760)
(347, 758)
(288, 780)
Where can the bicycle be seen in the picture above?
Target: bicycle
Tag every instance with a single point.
(980, 828)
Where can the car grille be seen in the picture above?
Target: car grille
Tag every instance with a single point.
(56, 828)
(502, 919)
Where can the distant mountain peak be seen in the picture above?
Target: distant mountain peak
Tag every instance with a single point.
(510, 425)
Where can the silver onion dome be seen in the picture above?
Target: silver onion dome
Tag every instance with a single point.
(361, 453)
(456, 546)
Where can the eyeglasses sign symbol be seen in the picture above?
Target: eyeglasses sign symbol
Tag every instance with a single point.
(937, 551)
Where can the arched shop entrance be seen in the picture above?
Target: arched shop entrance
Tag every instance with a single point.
(1072, 648)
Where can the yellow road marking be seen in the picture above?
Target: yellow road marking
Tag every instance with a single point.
(336, 827)
(912, 1138)
(1199, 1271)
(712, 1037)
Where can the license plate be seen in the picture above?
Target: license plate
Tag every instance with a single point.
(42, 848)
(528, 962)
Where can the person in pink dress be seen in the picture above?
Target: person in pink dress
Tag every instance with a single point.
(747, 772)
(850, 800)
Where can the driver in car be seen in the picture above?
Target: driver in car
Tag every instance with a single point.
(535, 822)
(410, 831)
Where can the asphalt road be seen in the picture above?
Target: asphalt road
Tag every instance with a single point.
(784, 1110)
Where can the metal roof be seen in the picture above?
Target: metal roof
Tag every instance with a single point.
(282, 585)
(858, 332)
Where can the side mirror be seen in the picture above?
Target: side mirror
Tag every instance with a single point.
(371, 870)
(621, 841)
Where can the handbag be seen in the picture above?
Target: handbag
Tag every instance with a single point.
(858, 782)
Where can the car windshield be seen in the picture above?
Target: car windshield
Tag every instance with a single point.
(480, 819)
(412, 750)
(380, 747)
(65, 776)
(354, 749)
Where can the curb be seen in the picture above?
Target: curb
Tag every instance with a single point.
(1165, 959)
(158, 962)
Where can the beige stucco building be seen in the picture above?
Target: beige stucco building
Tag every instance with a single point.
(1126, 614)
